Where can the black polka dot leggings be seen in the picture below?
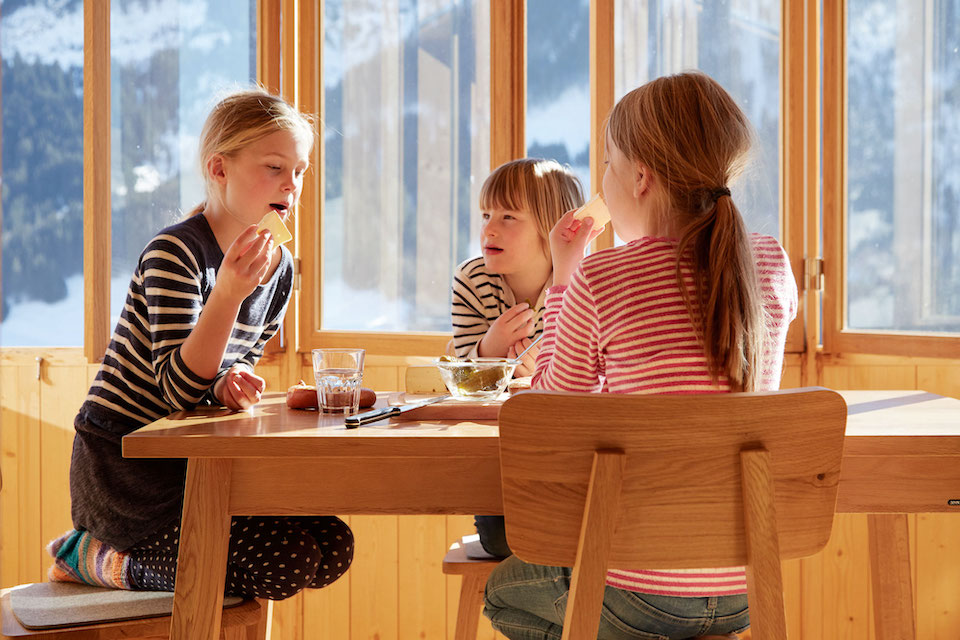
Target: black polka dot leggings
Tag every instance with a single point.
(269, 557)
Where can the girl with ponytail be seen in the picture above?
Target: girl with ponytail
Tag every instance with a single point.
(691, 304)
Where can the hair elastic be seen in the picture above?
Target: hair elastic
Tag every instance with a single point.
(718, 193)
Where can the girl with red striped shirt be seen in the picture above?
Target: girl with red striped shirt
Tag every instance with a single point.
(691, 304)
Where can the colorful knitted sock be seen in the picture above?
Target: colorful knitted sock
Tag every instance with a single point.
(79, 557)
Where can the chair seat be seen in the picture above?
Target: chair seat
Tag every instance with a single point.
(53, 609)
(467, 556)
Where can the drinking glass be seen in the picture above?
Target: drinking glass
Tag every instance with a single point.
(339, 375)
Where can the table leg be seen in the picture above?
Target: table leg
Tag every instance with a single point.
(890, 576)
(202, 562)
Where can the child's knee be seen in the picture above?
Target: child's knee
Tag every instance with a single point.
(336, 552)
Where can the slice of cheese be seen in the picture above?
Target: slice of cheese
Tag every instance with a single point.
(596, 209)
(272, 223)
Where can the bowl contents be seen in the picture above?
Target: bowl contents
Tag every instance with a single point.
(476, 378)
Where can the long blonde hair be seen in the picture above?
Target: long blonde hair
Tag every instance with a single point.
(242, 118)
(545, 188)
(694, 138)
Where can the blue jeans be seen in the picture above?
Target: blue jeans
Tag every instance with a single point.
(528, 602)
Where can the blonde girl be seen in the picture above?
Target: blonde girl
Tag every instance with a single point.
(691, 304)
(205, 297)
(498, 297)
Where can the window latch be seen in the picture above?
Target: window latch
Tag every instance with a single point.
(813, 274)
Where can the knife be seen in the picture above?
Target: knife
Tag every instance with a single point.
(352, 422)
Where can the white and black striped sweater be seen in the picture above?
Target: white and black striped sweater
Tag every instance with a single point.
(479, 298)
(143, 378)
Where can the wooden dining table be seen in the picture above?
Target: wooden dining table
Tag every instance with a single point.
(901, 455)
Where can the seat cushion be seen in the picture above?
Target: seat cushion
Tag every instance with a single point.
(49, 605)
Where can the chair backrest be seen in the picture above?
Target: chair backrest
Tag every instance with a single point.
(681, 502)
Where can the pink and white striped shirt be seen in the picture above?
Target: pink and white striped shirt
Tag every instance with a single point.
(621, 326)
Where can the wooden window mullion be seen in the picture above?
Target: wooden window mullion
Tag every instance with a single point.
(96, 179)
(508, 80)
(602, 54)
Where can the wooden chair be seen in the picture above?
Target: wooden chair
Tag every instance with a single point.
(247, 620)
(608, 481)
(475, 571)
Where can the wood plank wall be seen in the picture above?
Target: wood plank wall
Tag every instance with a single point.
(395, 589)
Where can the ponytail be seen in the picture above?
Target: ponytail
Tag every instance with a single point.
(197, 209)
(690, 133)
(732, 326)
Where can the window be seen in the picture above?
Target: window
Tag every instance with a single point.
(558, 84)
(42, 164)
(903, 146)
(737, 42)
(170, 62)
(406, 148)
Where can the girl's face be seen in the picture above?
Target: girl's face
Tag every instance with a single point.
(264, 176)
(511, 243)
(619, 181)
(633, 195)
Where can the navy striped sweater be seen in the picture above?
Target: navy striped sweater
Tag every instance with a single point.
(143, 378)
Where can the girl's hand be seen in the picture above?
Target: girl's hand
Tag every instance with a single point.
(245, 264)
(528, 363)
(512, 326)
(568, 240)
(239, 389)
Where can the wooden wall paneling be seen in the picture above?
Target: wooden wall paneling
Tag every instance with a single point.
(387, 344)
(20, 464)
(937, 567)
(422, 542)
(326, 612)
(811, 595)
(941, 379)
(63, 388)
(286, 623)
(272, 373)
(382, 378)
(845, 587)
(791, 377)
(96, 179)
(792, 592)
(870, 377)
(374, 580)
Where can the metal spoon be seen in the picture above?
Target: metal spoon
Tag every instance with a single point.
(522, 353)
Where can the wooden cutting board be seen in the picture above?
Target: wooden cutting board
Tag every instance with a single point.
(453, 410)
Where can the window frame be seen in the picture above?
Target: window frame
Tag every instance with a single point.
(290, 37)
(836, 338)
